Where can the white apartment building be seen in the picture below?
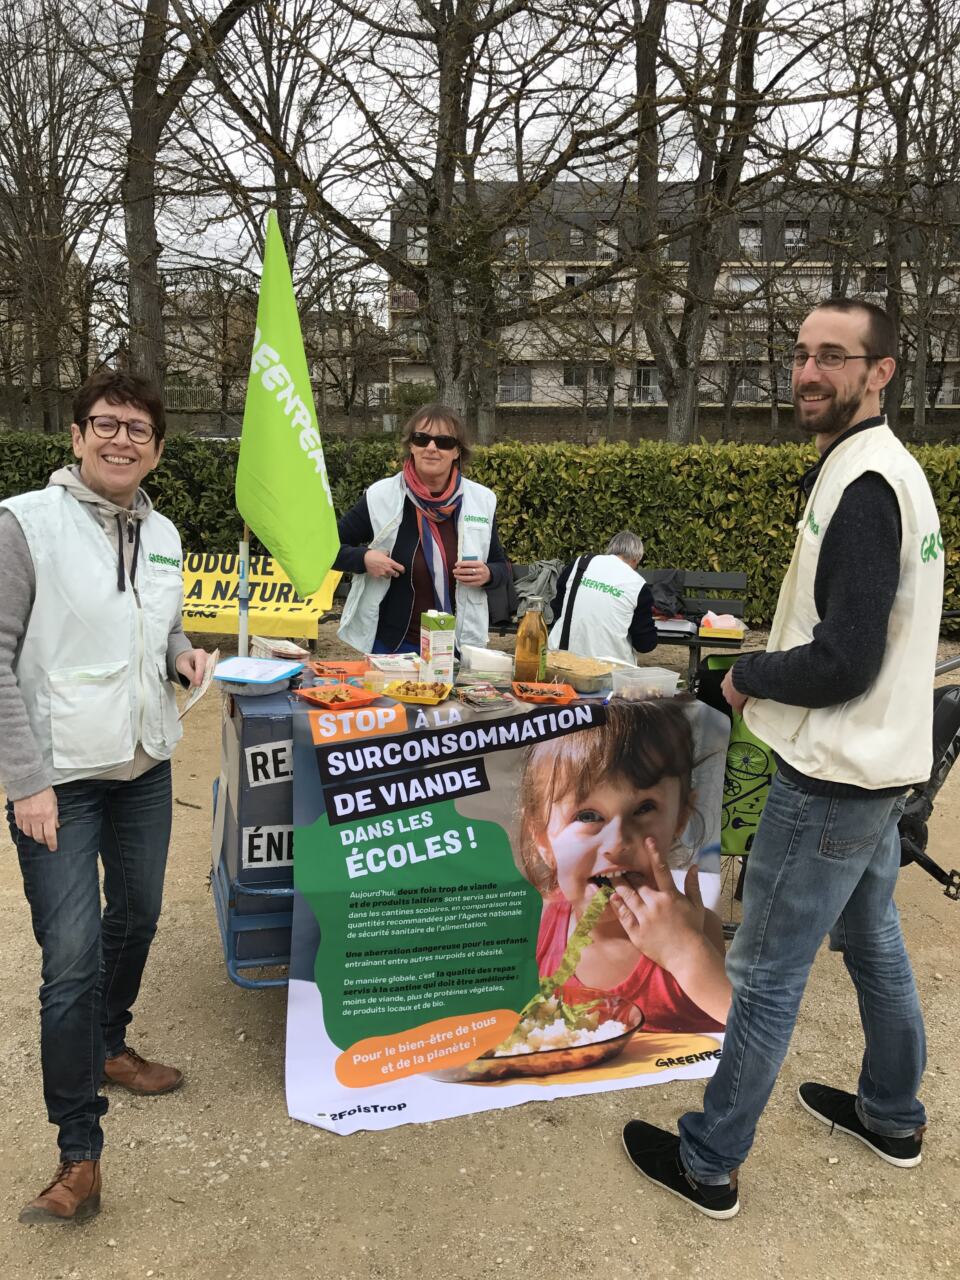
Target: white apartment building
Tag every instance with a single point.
(782, 257)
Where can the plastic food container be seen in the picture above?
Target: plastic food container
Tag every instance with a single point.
(585, 675)
(634, 684)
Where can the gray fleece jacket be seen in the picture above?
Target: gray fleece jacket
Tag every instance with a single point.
(22, 771)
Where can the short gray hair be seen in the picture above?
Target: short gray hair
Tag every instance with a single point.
(627, 545)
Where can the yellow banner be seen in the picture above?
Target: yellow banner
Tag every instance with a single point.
(210, 587)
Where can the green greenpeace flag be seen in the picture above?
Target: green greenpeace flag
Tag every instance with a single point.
(283, 492)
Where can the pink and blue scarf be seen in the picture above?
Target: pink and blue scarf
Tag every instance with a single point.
(431, 509)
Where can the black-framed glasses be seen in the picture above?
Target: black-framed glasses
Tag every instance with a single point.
(106, 427)
(823, 359)
(423, 438)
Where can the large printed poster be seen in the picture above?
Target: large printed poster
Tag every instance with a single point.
(455, 947)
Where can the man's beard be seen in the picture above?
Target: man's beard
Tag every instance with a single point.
(841, 413)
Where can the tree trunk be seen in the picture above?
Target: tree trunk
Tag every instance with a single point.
(683, 406)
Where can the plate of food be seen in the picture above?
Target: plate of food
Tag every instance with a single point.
(328, 670)
(555, 695)
(426, 692)
(337, 696)
(555, 1033)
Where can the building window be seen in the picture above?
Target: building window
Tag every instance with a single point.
(742, 282)
(515, 287)
(575, 375)
(514, 384)
(578, 237)
(749, 388)
(515, 241)
(811, 288)
(648, 384)
(875, 280)
(750, 236)
(416, 244)
(608, 241)
(574, 278)
(794, 238)
(784, 387)
(602, 375)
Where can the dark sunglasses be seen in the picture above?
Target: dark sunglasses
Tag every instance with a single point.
(423, 438)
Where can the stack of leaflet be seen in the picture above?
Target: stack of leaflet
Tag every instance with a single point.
(257, 675)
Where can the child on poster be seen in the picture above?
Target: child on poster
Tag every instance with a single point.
(610, 802)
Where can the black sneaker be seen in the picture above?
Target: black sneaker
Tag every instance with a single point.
(839, 1111)
(656, 1154)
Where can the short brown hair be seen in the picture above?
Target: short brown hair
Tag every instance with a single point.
(120, 388)
(641, 742)
(438, 413)
(881, 331)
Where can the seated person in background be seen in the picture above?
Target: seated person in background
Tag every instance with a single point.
(603, 608)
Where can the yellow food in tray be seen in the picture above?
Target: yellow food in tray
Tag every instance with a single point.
(586, 675)
(426, 692)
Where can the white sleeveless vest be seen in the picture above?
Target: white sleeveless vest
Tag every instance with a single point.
(602, 611)
(92, 668)
(385, 498)
(884, 738)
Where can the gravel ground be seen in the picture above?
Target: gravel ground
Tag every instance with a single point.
(216, 1182)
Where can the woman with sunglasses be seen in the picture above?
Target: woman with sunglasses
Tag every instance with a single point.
(425, 538)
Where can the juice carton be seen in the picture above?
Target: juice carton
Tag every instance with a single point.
(436, 646)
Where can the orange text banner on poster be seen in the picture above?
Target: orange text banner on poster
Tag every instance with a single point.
(210, 588)
(446, 1042)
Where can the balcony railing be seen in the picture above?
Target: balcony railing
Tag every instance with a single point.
(514, 393)
(403, 300)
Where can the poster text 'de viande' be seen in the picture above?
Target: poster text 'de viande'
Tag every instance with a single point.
(446, 958)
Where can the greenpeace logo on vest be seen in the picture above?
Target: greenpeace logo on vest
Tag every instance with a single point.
(605, 587)
(476, 519)
(931, 546)
(155, 558)
(813, 524)
(274, 376)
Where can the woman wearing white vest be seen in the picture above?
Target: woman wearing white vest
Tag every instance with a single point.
(603, 607)
(844, 696)
(423, 539)
(90, 640)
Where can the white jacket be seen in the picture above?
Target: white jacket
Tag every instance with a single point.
(602, 611)
(884, 737)
(385, 498)
(92, 668)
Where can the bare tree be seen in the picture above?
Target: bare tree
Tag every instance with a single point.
(54, 202)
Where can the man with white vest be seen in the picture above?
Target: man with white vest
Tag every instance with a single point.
(603, 607)
(91, 641)
(844, 696)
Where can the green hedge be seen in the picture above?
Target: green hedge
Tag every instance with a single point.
(721, 507)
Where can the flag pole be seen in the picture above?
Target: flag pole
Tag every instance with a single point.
(243, 594)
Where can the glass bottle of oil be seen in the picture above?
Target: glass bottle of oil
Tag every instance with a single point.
(530, 655)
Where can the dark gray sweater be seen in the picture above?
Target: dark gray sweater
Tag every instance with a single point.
(858, 573)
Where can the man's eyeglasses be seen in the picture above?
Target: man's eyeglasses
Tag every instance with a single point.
(423, 438)
(823, 359)
(106, 427)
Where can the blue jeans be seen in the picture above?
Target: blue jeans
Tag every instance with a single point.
(91, 966)
(817, 865)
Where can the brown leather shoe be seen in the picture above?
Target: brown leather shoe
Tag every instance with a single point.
(72, 1196)
(140, 1076)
